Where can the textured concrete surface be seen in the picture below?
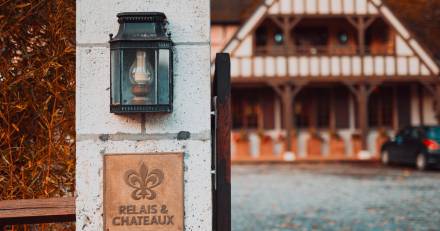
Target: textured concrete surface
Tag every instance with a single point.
(100, 133)
(334, 197)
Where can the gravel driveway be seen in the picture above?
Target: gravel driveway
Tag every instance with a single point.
(334, 197)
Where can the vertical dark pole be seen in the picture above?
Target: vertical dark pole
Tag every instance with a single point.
(363, 113)
(222, 89)
(287, 103)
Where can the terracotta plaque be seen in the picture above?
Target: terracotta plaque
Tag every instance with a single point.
(143, 192)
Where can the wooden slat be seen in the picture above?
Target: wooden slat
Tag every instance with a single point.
(37, 211)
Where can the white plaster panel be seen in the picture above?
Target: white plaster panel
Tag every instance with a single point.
(425, 70)
(235, 67)
(93, 95)
(323, 6)
(258, 66)
(402, 47)
(298, 6)
(325, 66)
(414, 66)
(286, 6)
(368, 65)
(379, 65)
(336, 66)
(269, 66)
(281, 63)
(245, 48)
(390, 65)
(96, 19)
(336, 6)
(293, 66)
(314, 66)
(348, 6)
(304, 66)
(356, 65)
(402, 66)
(311, 6)
(275, 8)
(346, 65)
(246, 67)
(197, 172)
(361, 6)
(372, 9)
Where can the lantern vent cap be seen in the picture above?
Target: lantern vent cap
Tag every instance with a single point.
(134, 17)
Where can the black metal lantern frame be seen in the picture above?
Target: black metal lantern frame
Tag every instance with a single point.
(141, 64)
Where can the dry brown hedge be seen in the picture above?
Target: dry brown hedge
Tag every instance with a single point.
(37, 98)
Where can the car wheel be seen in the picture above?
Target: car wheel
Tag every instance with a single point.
(385, 157)
(421, 163)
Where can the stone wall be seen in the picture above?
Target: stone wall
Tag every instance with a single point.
(99, 132)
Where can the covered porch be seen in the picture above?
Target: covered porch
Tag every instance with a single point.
(328, 119)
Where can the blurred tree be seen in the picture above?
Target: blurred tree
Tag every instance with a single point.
(37, 98)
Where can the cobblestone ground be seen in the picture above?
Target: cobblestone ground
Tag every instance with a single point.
(334, 197)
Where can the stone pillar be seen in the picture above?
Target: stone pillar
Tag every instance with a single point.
(99, 132)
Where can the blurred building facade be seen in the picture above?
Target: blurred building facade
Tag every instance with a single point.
(323, 79)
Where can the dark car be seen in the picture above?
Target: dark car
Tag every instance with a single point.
(417, 146)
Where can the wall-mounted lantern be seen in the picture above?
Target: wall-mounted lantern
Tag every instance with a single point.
(141, 63)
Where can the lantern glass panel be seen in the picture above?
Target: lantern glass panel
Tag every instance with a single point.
(115, 74)
(163, 76)
(138, 80)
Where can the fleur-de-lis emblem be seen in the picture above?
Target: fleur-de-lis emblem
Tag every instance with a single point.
(143, 182)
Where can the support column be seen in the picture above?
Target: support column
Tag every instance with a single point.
(287, 92)
(362, 92)
(362, 97)
(287, 99)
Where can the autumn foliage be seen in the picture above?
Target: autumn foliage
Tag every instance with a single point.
(37, 98)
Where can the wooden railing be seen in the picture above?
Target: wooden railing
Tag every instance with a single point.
(37, 211)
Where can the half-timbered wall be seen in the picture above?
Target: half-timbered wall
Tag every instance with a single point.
(408, 58)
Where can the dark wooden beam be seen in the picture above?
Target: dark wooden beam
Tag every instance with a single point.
(36, 211)
(288, 92)
(223, 126)
(362, 92)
